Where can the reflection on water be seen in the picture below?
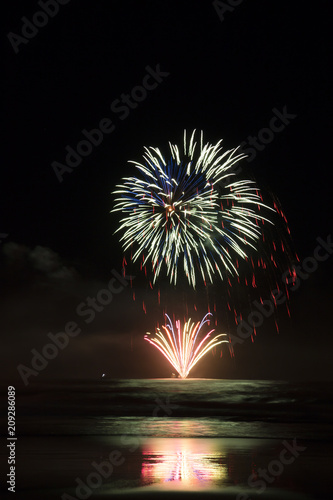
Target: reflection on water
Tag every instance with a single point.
(187, 462)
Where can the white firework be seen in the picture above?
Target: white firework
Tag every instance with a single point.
(187, 212)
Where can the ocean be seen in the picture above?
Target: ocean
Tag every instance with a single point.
(240, 439)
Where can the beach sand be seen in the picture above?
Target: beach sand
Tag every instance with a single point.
(156, 438)
(137, 467)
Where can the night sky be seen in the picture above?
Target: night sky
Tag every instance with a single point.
(225, 73)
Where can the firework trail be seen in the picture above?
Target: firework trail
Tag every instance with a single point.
(183, 349)
(187, 212)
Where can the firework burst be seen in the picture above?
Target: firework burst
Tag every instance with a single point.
(189, 212)
(183, 349)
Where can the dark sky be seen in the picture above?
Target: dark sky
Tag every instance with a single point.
(223, 76)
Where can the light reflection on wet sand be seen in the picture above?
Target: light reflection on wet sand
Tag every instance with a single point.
(186, 462)
(168, 464)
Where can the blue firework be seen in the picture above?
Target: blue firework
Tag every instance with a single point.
(187, 212)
